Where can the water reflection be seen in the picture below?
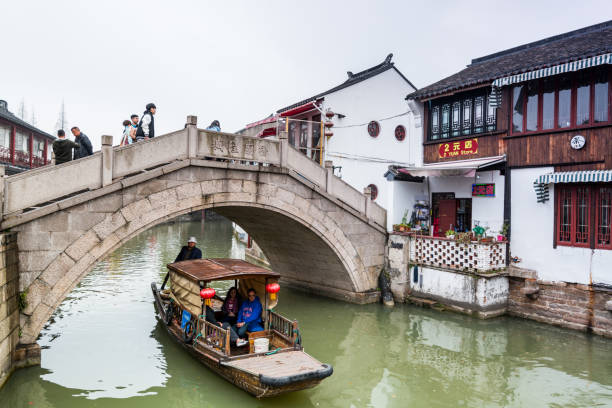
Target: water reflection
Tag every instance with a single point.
(104, 348)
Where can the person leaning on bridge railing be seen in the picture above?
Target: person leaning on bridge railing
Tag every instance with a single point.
(62, 148)
(85, 149)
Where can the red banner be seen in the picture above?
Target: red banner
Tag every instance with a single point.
(458, 148)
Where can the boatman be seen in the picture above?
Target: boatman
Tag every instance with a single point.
(189, 252)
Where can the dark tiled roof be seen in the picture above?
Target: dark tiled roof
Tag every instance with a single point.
(352, 80)
(571, 46)
(5, 114)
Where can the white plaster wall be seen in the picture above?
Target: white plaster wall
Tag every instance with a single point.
(489, 211)
(461, 288)
(402, 196)
(532, 230)
(365, 159)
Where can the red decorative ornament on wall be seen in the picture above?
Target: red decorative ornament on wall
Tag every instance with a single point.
(373, 128)
(400, 133)
(373, 191)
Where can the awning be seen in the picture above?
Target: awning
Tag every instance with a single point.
(495, 99)
(269, 119)
(586, 176)
(299, 109)
(267, 132)
(465, 168)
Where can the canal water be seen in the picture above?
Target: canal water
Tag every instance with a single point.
(104, 348)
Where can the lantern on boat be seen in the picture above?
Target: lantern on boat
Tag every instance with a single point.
(272, 289)
(207, 294)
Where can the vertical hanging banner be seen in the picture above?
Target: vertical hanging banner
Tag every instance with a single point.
(459, 148)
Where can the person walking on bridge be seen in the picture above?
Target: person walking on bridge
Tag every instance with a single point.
(146, 127)
(62, 148)
(85, 149)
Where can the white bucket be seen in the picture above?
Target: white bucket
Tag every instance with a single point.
(261, 345)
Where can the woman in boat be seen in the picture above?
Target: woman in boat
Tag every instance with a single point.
(231, 306)
(249, 316)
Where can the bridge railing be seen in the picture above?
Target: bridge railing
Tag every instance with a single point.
(39, 187)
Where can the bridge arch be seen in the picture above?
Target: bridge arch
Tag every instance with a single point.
(312, 240)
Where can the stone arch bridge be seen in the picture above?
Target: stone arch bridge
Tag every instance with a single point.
(317, 231)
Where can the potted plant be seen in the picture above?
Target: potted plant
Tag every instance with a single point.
(450, 234)
(464, 237)
(503, 233)
(478, 232)
(485, 237)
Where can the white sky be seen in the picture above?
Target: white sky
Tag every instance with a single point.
(239, 61)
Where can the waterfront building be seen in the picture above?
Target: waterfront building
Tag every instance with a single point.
(372, 128)
(523, 137)
(22, 146)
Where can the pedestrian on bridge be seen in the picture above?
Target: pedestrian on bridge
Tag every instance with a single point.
(215, 126)
(85, 149)
(127, 128)
(62, 148)
(146, 127)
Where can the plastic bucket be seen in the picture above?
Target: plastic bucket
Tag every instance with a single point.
(261, 345)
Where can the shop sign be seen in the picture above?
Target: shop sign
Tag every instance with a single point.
(459, 148)
(483, 190)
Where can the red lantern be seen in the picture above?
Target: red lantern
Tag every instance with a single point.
(207, 294)
(272, 289)
(329, 114)
(328, 124)
(328, 133)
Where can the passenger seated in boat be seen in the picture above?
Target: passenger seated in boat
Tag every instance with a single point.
(249, 316)
(231, 306)
(210, 317)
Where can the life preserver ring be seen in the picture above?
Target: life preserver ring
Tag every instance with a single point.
(168, 314)
(188, 332)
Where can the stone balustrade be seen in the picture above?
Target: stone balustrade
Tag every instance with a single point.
(480, 257)
(40, 187)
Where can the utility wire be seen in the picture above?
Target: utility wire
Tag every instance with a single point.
(367, 123)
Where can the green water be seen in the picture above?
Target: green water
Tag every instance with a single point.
(104, 348)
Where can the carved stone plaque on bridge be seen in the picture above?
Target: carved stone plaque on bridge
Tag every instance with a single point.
(239, 147)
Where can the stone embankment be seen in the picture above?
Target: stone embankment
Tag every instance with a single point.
(443, 274)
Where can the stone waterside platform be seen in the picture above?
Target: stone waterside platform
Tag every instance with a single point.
(473, 278)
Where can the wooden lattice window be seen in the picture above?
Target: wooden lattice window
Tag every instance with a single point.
(603, 219)
(584, 215)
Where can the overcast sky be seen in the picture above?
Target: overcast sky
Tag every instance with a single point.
(239, 61)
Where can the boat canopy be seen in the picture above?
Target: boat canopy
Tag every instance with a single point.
(212, 269)
(188, 277)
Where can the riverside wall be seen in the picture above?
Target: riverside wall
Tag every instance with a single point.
(513, 291)
(571, 305)
(12, 354)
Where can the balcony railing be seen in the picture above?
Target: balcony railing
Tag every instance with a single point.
(480, 257)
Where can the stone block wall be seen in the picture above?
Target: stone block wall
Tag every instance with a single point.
(9, 311)
(571, 305)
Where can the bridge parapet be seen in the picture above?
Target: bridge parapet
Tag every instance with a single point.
(47, 185)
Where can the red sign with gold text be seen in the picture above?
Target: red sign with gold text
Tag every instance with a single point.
(458, 148)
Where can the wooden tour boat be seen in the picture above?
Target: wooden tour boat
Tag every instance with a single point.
(285, 367)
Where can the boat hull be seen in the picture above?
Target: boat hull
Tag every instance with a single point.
(259, 386)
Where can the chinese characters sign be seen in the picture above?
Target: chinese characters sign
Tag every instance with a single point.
(458, 148)
(483, 190)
